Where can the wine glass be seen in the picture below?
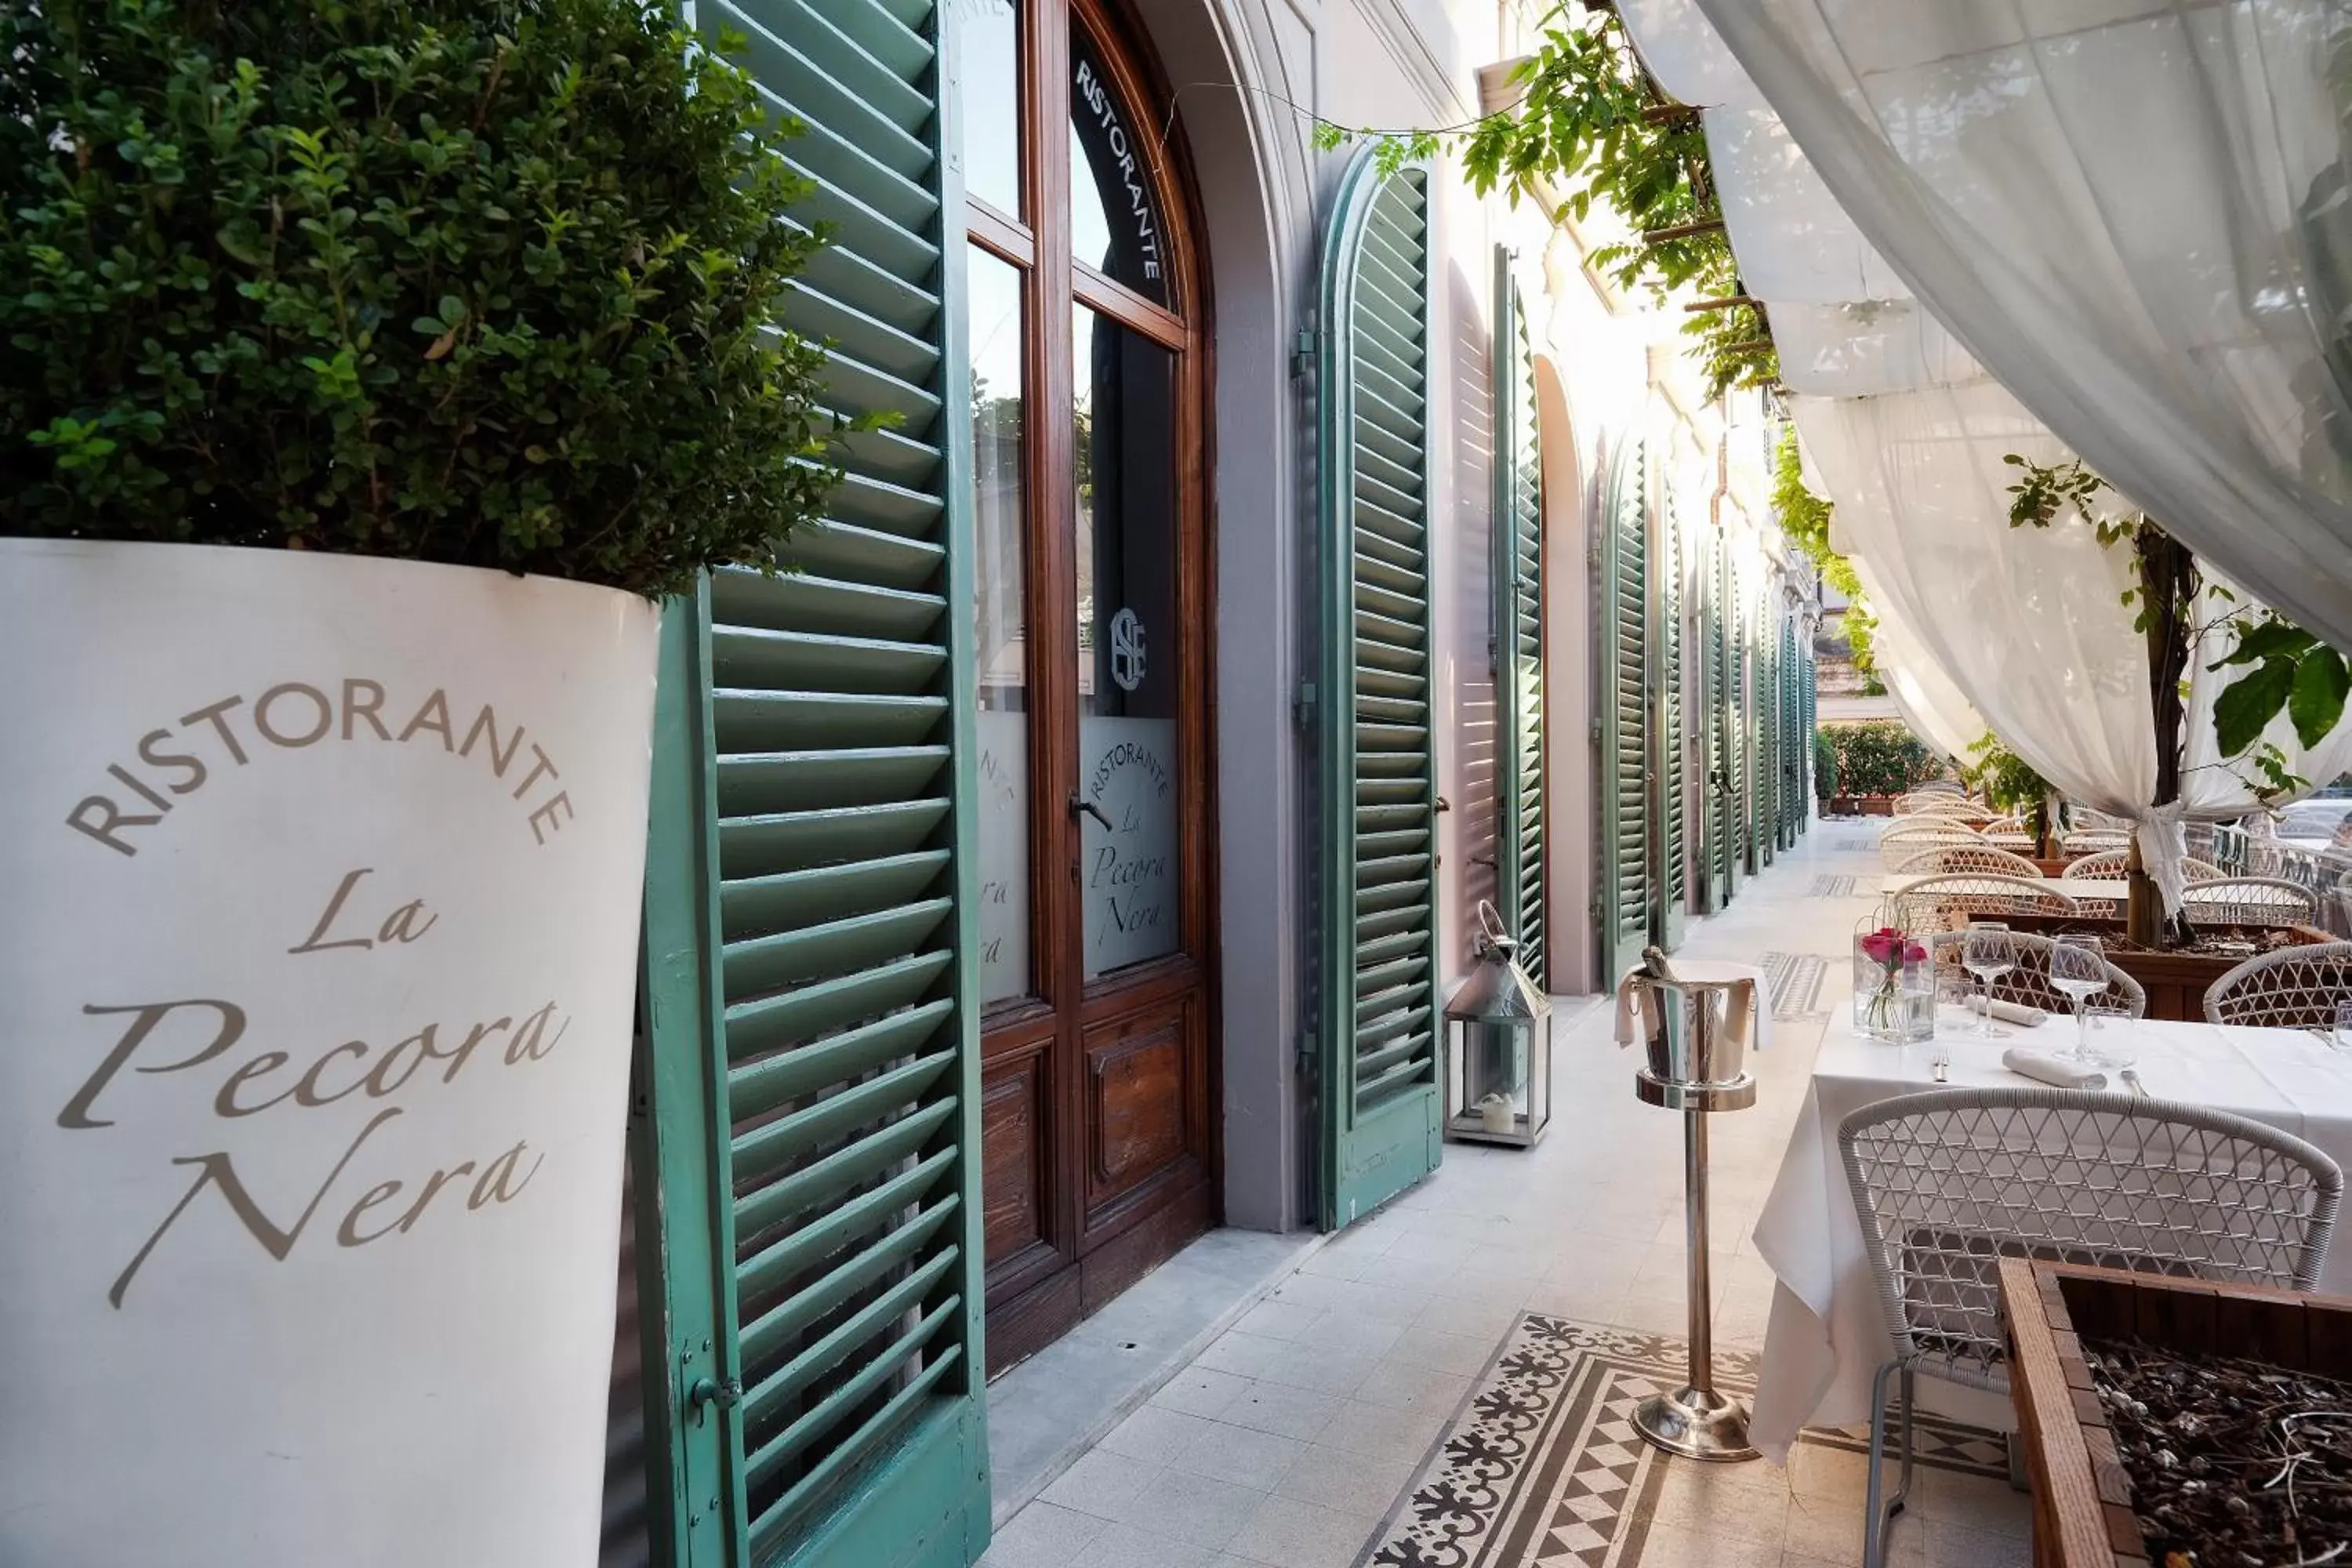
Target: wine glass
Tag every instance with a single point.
(2342, 1039)
(1988, 954)
(2078, 969)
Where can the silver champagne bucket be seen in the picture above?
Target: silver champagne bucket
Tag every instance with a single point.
(1688, 1025)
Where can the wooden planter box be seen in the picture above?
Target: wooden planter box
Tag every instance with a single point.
(2176, 982)
(2081, 1494)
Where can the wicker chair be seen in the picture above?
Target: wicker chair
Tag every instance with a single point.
(2249, 901)
(2028, 985)
(1918, 904)
(2084, 820)
(2114, 864)
(1948, 1183)
(2293, 988)
(1918, 804)
(1897, 844)
(1976, 859)
(2091, 841)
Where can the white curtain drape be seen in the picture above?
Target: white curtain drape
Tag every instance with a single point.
(2028, 624)
(1904, 403)
(2135, 214)
(1936, 709)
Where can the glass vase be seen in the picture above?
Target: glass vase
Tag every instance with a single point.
(1893, 986)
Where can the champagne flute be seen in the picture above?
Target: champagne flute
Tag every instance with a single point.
(1987, 952)
(2078, 969)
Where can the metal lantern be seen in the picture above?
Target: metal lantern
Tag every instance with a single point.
(1497, 1050)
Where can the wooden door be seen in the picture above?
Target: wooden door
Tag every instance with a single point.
(1087, 391)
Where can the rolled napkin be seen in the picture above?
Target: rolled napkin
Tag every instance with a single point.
(2045, 1067)
(2016, 1013)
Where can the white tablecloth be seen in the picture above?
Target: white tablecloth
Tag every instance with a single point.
(1827, 1333)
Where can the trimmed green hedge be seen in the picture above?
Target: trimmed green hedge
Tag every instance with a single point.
(1880, 757)
(493, 282)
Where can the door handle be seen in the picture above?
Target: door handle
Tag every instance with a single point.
(1079, 803)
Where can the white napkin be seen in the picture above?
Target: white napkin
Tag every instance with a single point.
(2016, 1013)
(2046, 1066)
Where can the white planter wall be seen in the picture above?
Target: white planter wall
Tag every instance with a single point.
(308, 1207)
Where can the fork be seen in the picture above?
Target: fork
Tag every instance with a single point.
(2132, 1082)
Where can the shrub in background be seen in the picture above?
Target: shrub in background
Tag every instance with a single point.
(491, 282)
(1882, 757)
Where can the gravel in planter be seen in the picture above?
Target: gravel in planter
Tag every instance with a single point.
(2233, 1463)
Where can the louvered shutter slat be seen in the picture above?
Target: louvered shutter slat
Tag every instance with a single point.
(813, 943)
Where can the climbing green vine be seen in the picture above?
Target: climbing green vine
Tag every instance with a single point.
(1592, 125)
(1805, 518)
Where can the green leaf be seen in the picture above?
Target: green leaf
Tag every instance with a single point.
(2317, 703)
(2247, 704)
(2271, 639)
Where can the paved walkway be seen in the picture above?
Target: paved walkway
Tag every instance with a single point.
(1289, 1439)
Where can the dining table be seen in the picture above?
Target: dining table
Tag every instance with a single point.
(1827, 1333)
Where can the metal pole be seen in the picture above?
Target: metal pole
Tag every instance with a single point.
(1702, 1295)
(1695, 1421)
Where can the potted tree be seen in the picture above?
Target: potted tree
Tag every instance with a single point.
(369, 370)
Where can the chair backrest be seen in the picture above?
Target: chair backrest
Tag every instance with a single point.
(1982, 859)
(1948, 1182)
(1918, 805)
(2028, 985)
(2194, 870)
(1897, 844)
(2083, 819)
(2107, 865)
(2091, 841)
(2249, 901)
(2290, 988)
(1918, 905)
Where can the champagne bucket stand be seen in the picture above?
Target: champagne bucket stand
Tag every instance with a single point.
(1687, 1034)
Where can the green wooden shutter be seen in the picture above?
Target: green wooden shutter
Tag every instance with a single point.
(810, 915)
(1762, 750)
(1625, 711)
(1715, 891)
(1673, 875)
(1722, 734)
(1792, 781)
(1811, 724)
(1740, 716)
(1522, 807)
(1377, 782)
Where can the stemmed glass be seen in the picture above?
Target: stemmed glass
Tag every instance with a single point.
(1988, 954)
(2078, 969)
(2342, 1039)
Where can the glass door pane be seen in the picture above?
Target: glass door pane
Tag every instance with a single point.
(999, 511)
(1124, 450)
(988, 52)
(1115, 224)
